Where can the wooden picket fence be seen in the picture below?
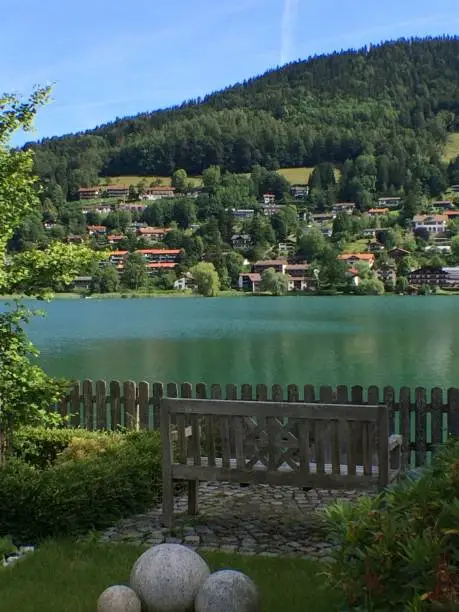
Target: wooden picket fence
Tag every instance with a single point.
(424, 419)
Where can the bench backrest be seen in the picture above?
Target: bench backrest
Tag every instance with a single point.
(277, 435)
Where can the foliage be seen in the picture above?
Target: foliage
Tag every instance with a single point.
(206, 279)
(370, 286)
(274, 282)
(135, 273)
(400, 550)
(75, 496)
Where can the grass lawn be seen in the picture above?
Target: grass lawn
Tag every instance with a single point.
(357, 246)
(133, 180)
(69, 577)
(452, 147)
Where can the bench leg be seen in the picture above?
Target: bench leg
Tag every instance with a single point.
(168, 503)
(193, 497)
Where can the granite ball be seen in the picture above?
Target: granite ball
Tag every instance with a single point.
(119, 598)
(227, 591)
(167, 578)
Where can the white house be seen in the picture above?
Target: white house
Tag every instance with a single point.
(434, 224)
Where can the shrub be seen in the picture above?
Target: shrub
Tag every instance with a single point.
(75, 496)
(400, 550)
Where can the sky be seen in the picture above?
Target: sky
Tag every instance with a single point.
(112, 58)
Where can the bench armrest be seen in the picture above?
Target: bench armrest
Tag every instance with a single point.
(394, 441)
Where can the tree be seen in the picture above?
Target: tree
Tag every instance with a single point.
(401, 284)
(234, 264)
(312, 245)
(180, 181)
(26, 391)
(455, 247)
(134, 275)
(370, 286)
(274, 282)
(108, 279)
(206, 279)
(211, 177)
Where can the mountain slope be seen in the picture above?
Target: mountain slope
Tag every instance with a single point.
(398, 100)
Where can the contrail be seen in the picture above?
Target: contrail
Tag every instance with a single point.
(288, 21)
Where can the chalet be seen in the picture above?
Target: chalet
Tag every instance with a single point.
(160, 266)
(160, 255)
(117, 191)
(397, 253)
(321, 218)
(135, 207)
(432, 223)
(270, 209)
(242, 213)
(184, 282)
(81, 283)
(452, 214)
(49, 226)
(156, 234)
(452, 276)
(455, 188)
(75, 239)
(96, 230)
(378, 212)
(352, 274)
(269, 198)
(302, 215)
(387, 274)
(428, 275)
(101, 209)
(391, 203)
(299, 191)
(352, 258)
(374, 246)
(241, 241)
(117, 258)
(277, 264)
(249, 281)
(327, 231)
(115, 239)
(344, 207)
(300, 277)
(369, 232)
(157, 193)
(443, 205)
(88, 193)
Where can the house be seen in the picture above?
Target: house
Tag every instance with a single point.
(88, 193)
(392, 203)
(443, 204)
(323, 218)
(387, 274)
(184, 282)
(241, 241)
(269, 209)
(302, 215)
(369, 232)
(352, 274)
(300, 277)
(344, 207)
(452, 276)
(277, 264)
(378, 212)
(158, 256)
(115, 239)
(438, 248)
(427, 275)
(452, 214)
(116, 258)
(249, 281)
(455, 188)
(81, 282)
(397, 253)
(374, 246)
(117, 191)
(133, 207)
(102, 209)
(299, 191)
(75, 239)
(96, 230)
(157, 193)
(327, 231)
(156, 234)
(353, 258)
(297, 283)
(158, 266)
(242, 213)
(269, 198)
(49, 226)
(432, 223)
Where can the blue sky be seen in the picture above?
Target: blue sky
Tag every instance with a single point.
(111, 58)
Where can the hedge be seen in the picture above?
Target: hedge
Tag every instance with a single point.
(75, 496)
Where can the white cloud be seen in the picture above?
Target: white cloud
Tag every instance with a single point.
(287, 36)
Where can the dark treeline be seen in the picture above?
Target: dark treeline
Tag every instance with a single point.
(382, 114)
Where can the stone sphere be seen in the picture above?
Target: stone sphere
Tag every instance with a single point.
(119, 598)
(167, 578)
(227, 591)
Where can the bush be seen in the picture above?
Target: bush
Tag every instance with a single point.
(41, 446)
(75, 496)
(400, 550)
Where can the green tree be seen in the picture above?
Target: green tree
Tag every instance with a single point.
(206, 279)
(370, 286)
(180, 181)
(234, 264)
(312, 245)
(274, 282)
(134, 275)
(455, 247)
(109, 281)
(211, 177)
(401, 284)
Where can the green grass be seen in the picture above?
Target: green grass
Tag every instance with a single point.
(356, 246)
(133, 180)
(452, 147)
(69, 577)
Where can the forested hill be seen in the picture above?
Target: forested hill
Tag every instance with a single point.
(394, 102)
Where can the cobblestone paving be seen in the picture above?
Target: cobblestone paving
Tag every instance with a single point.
(259, 519)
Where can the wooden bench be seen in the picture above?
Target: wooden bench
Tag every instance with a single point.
(328, 446)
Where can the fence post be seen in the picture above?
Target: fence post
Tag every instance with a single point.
(453, 412)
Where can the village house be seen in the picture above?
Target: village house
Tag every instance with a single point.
(352, 258)
(241, 241)
(154, 234)
(249, 281)
(300, 277)
(455, 188)
(242, 213)
(160, 256)
(184, 282)
(157, 193)
(397, 253)
(299, 191)
(344, 207)
(391, 203)
(443, 205)
(327, 231)
(135, 207)
(434, 224)
(88, 193)
(374, 246)
(369, 232)
(321, 218)
(269, 198)
(115, 238)
(452, 214)
(101, 209)
(82, 283)
(75, 239)
(96, 230)
(277, 264)
(452, 276)
(270, 209)
(428, 275)
(117, 191)
(378, 212)
(387, 274)
(48, 226)
(117, 258)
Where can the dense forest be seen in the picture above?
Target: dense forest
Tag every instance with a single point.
(381, 113)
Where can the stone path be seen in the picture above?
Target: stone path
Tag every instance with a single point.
(258, 519)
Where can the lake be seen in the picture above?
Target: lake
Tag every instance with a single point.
(303, 340)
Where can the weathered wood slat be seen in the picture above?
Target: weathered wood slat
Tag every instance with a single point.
(88, 405)
(389, 401)
(436, 417)
(405, 407)
(420, 426)
(157, 394)
(453, 411)
(75, 406)
(144, 404)
(130, 404)
(101, 405)
(115, 404)
(309, 394)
